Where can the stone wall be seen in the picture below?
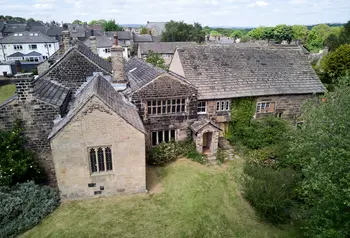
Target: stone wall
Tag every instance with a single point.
(288, 107)
(198, 139)
(38, 121)
(162, 88)
(96, 125)
(73, 70)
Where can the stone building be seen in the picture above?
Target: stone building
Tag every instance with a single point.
(91, 121)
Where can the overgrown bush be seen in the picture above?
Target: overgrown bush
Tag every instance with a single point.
(162, 154)
(17, 163)
(265, 132)
(220, 156)
(23, 206)
(165, 153)
(270, 191)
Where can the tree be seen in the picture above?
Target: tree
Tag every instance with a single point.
(156, 59)
(268, 33)
(257, 33)
(180, 31)
(317, 37)
(97, 22)
(236, 34)
(214, 33)
(245, 38)
(144, 30)
(283, 32)
(206, 30)
(336, 63)
(17, 163)
(78, 22)
(339, 36)
(320, 152)
(299, 32)
(111, 26)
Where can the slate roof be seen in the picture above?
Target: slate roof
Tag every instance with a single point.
(54, 31)
(142, 38)
(17, 54)
(162, 47)
(140, 73)
(50, 92)
(158, 26)
(242, 71)
(197, 125)
(101, 42)
(101, 88)
(2, 24)
(33, 53)
(122, 35)
(27, 37)
(12, 28)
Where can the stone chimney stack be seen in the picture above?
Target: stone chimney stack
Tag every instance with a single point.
(117, 62)
(65, 40)
(93, 44)
(24, 88)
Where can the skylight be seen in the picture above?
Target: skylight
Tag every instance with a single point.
(20, 34)
(132, 70)
(16, 35)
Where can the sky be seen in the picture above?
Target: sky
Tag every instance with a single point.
(240, 13)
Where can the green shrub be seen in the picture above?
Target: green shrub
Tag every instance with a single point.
(184, 147)
(270, 191)
(23, 206)
(196, 157)
(17, 163)
(162, 154)
(220, 156)
(265, 132)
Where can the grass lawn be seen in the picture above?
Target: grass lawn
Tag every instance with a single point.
(6, 92)
(192, 201)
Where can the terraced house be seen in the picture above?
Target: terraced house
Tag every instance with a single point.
(92, 121)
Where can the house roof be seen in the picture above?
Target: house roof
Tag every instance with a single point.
(122, 35)
(77, 31)
(242, 71)
(17, 54)
(158, 26)
(142, 38)
(162, 47)
(33, 53)
(12, 28)
(2, 24)
(140, 73)
(197, 125)
(27, 37)
(39, 28)
(98, 86)
(54, 30)
(101, 42)
(50, 92)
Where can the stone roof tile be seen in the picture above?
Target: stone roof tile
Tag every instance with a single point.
(240, 71)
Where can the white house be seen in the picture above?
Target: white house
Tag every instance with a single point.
(27, 46)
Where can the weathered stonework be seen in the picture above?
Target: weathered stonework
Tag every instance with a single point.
(73, 70)
(162, 88)
(214, 139)
(96, 125)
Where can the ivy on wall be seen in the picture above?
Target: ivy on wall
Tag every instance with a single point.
(242, 111)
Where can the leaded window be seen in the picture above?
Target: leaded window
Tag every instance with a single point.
(170, 106)
(265, 107)
(100, 159)
(162, 136)
(202, 107)
(222, 106)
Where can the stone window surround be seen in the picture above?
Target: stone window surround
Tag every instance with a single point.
(202, 107)
(223, 106)
(270, 107)
(164, 132)
(171, 106)
(100, 173)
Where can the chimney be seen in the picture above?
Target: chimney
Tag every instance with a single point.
(24, 88)
(65, 40)
(93, 46)
(117, 62)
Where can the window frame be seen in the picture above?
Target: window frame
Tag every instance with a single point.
(107, 167)
(166, 106)
(223, 106)
(31, 46)
(200, 107)
(259, 107)
(156, 135)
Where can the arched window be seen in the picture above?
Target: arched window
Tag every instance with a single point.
(108, 159)
(93, 160)
(101, 160)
